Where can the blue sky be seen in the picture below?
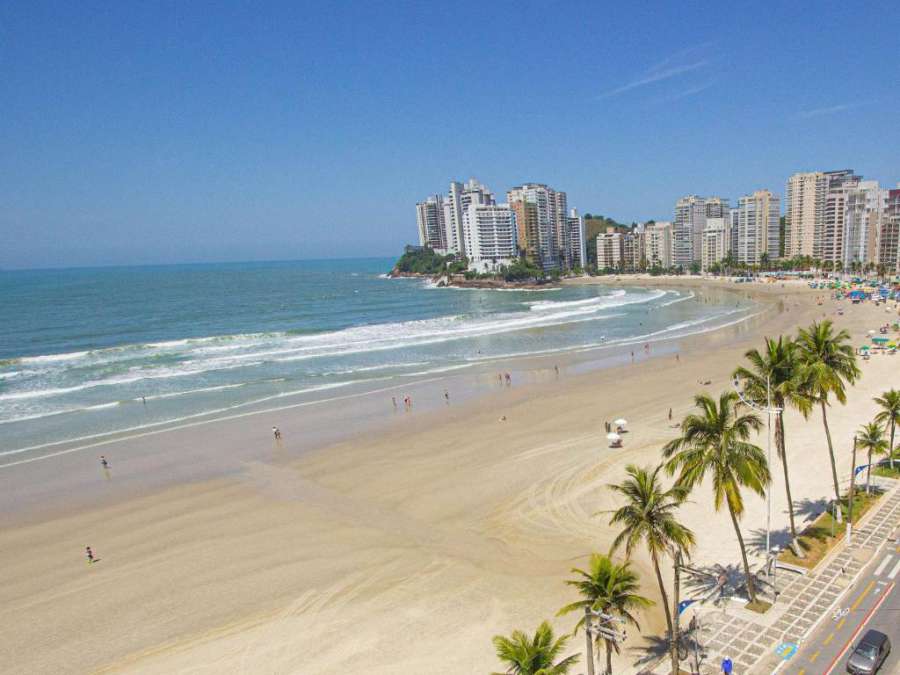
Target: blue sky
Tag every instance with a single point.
(168, 132)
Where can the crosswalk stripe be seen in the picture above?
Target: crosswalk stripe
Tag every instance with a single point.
(884, 563)
(894, 570)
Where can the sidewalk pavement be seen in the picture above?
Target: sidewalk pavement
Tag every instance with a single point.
(759, 643)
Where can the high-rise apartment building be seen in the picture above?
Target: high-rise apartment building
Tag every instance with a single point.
(805, 203)
(544, 225)
(715, 242)
(440, 220)
(430, 219)
(889, 233)
(658, 244)
(576, 240)
(461, 195)
(864, 211)
(691, 213)
(753, 227)
(489, 236)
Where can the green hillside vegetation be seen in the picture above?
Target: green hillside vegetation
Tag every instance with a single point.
(594, 225)
(417, 260)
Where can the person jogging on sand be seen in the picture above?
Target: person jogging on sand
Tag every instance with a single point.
(90, 554)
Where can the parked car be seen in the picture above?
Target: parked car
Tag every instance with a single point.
(869, 654)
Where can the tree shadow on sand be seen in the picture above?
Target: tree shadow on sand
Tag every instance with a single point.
(756, 539)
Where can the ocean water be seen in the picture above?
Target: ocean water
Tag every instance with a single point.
(87, 352)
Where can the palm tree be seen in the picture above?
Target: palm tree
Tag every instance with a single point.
(828, 364)
(890, 413)
(609, 588)
(648, 519)
(715, 441)
(870, 438)
(533, 656)
(774, 372)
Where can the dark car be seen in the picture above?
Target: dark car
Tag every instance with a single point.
(869, 654)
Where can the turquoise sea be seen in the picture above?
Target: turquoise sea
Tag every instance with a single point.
(86, 352)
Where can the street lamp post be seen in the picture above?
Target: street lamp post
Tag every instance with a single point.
(769, 410)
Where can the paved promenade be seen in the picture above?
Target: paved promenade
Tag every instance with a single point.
(760, 644)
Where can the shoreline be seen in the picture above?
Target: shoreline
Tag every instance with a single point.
(446, 511)
(468, 382)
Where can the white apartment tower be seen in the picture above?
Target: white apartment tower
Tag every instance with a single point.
(576, 240)
(458, 200)
(489, 236)
(658, 244)
(755, 227)
(691, 213)
(864, 211)
(430, 219)
(715, 242)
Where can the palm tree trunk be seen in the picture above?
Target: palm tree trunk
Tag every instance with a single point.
(892, 445)
(780, 442)
(751, 587)
(868, 471)
(837, 489)
(608, 658)
(665, 603)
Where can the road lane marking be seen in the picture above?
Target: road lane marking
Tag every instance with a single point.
(828, 640)
(815, 655)
(894, 571)
(859, 628)
(862, 596)
(841, 623)
(884, 563)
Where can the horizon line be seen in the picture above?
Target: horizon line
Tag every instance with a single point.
(63, 268)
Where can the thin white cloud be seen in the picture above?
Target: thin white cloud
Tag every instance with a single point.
(677, 64)
(832, 109)
(687, 92)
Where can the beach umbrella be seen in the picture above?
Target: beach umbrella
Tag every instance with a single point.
(613, 436)
(880, 340)
(620, 422)
(866, 347)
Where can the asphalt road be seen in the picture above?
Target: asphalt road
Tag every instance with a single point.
(874, 602)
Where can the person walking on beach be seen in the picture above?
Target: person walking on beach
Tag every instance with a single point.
(276, 432)
(90, 554)
(508, 380)
(632, 356)
(104, 463)
(670, 414)
(556, 368)
(500, 378)
(394, 401)
(144, 400)
(447, 396)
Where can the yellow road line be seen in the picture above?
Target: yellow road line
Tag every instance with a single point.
(815, 655)
(802, 671)
(862, 595)
(828, 639)
(841, 623)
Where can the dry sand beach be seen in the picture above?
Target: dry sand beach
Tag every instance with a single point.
(402, 549)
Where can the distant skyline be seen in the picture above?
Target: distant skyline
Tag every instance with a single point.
(162, 133)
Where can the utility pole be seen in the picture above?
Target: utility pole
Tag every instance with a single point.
(676, 669)
(852, 494)
(850, 502)
(588, 619)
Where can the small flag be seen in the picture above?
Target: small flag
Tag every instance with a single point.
(860, 469)
(684, 604)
